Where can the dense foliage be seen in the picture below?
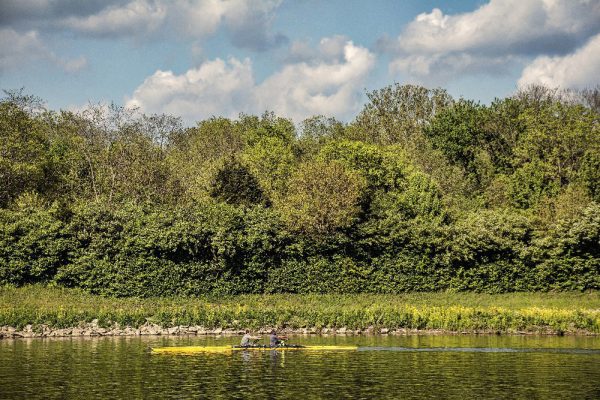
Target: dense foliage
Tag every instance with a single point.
(420, 193)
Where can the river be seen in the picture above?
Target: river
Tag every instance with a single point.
(384, 367)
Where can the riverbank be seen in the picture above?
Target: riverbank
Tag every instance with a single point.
(38, 311)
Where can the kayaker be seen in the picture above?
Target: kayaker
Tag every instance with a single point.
(248, 340)
(276, 340)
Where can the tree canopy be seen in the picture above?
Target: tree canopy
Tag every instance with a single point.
(419, 192)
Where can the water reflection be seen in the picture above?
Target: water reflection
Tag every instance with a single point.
(384, 367)
(479, 350)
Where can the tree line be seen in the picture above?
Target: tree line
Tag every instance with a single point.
(420, 192)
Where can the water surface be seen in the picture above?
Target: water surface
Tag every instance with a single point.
(384, 367)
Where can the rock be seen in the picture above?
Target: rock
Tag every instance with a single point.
(325, 330)
(76, 332)
(45, 330)
(173, 331)
(384, 331)
(342, 330)
(218, 331)
(152, 329)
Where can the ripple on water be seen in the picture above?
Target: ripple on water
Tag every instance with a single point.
(384, 367)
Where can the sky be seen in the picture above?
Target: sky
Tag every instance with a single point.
(297, 58)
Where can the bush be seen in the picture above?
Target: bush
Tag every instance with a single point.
(33, 245)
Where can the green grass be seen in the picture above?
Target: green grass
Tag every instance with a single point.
(562, 312)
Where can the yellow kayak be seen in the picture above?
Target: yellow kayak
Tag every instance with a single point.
(229, 349)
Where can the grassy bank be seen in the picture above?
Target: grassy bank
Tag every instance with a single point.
(566, 312)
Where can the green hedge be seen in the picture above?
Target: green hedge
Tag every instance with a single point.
(222, 249)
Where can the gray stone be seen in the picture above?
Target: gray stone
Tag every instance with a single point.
(76, 332)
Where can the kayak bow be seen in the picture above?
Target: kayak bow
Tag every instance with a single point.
(229, 349)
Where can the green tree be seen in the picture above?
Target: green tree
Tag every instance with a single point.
(383, 167)
(559, 134)
(459, 131)
(235, 184)
(317, 131)
(196, 154)
(25, 163)
(272, 161)
(589, 173)
(322, 197)
(268, 125)
(398, 113)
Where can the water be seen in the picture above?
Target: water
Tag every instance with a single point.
(460, 367)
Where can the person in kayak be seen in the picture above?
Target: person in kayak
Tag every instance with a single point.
(276, 340)
(248, 340)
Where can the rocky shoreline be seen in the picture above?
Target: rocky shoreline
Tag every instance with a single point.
(93, 329)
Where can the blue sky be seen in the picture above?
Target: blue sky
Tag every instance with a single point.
(197, 58)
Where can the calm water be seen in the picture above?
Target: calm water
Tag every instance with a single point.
(458, 367)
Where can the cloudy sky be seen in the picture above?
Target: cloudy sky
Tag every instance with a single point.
(197, 58)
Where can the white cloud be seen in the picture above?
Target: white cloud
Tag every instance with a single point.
(247, 21)
(249, 24)
(329, 85)
(17, 49)
(72, 65)
(214, 88)
(577, 70)
(139, 17)
(492, 36)
(197, 18)
(329, 49)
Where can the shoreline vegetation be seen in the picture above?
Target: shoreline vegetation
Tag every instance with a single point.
(420, 192)
(40, 311)
(113, 221)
